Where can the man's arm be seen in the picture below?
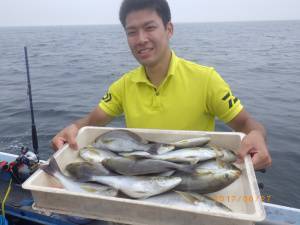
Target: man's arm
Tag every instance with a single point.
(68, 135)
(254, 143)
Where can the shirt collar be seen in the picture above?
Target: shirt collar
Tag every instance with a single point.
(141, 77)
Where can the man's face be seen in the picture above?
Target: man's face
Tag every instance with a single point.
(147, 36)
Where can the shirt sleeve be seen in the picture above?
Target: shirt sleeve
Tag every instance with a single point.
(112, 103)
(221, 102)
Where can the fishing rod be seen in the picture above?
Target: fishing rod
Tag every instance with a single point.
(35, 144)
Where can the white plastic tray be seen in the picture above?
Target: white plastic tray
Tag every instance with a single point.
(242, 196)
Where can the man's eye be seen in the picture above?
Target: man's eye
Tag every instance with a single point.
(150, 28)
(131, 33)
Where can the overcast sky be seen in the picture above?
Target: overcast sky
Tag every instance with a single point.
(78, 12)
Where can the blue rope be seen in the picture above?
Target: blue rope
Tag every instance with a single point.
(3, 221)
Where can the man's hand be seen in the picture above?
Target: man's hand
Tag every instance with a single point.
(254, 142)
(67, 135)
(255, 145)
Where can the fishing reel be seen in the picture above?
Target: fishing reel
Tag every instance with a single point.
(28, 158)
(24, 165)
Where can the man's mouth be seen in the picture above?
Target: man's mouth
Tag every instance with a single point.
(144, 51)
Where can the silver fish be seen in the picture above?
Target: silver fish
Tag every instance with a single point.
(209, 177)
(189, 200)
(53, 169)
(188, 155)
(127, 141)
(136, 186)
(78, 169)
(131, 167)
(192, 142)
(121, 141)
(93, 154)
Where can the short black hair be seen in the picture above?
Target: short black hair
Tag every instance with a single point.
(160, 6)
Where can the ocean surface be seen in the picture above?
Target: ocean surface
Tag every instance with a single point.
(72, 67)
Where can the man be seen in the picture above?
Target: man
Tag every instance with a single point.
(168, 92)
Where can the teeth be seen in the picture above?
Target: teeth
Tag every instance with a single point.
(143, 51)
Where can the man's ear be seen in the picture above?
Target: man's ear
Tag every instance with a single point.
(170, 29)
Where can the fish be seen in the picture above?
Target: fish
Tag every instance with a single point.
(69, 184)
(138, 187)
(126, 141)
(192, 142)
(78, 168)
(210, 176)
(92, 154)
(189, 200)
(121, 141)
(187, 155)
(132, 167)
(214, 166)
(229, 156)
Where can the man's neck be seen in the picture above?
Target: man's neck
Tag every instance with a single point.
(157, 73)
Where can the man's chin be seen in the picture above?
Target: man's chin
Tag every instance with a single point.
(145, 62)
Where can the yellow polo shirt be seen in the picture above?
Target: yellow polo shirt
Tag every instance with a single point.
(189, 98)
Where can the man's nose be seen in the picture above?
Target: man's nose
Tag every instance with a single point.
(142, 37)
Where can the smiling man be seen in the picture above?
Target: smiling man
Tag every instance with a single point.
(166, 91)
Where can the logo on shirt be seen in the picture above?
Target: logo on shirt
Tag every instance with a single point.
(230, 99)
(107, 97)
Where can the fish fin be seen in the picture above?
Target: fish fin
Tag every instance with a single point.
(92, 149)
(221, 163)
(194, 198)
(203, 173)
(88, 189)
(133, 135)
(192, 142)
(236, 168)
(152, 142)
(167, 174)
(220, 204)
(154, 148)
(188, 197)
(136, 136)
(135, 155)
(205, 143)
(218, 152)
(199, 197)
(165, 148)
(127, 156)
(51, 168)
(195, 161)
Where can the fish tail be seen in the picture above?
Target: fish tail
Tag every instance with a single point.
(188, 168)
(51, 168)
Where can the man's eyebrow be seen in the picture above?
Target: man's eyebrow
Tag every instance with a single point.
(149, 22)
(144, 24)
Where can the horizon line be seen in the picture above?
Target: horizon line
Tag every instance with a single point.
(110, 24)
